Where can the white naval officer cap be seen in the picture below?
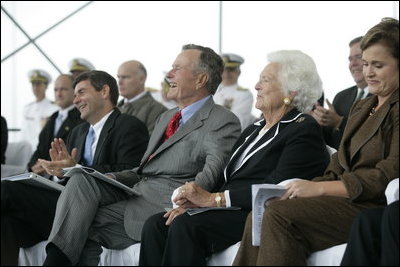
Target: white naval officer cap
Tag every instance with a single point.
(232, 60)
(38, 75)
(80, 64)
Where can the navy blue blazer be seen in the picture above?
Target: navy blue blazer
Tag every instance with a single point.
(46, 136)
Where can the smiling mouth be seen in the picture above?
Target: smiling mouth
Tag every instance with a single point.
(81, 107)
(172, 84)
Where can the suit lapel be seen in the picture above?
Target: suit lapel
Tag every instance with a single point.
(353, 94)
(195, 122)
(52, 123)
(157, 135)
(238, 152)
(66, 126)
(263, 143)
(360, 119)
(353, 124)
(108, 126)
(370, 125)
(80, 142)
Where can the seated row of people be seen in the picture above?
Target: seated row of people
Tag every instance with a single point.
(132, 76)
(190, 151)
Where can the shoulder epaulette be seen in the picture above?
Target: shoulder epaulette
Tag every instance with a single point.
(239, 88)
(150, 89)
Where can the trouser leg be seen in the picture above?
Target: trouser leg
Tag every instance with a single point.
(107, 230)
(390, 236)
(9, 247)
(191, 239)
(363, 247)
(27, 214)
(153, 239)
(76, 209)
(247, 253)
(292, 229)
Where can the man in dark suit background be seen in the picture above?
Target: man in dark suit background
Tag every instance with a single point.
(60, 123)
(28, 212)
(334, 118)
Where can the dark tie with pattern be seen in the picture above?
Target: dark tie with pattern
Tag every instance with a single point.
(172, 126)
(359, 95)
(58, 122)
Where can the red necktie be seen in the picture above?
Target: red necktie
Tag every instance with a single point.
(172, 126)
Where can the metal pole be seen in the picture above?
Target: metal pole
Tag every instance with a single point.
(27, 36)
(46, 31)
(220, 28)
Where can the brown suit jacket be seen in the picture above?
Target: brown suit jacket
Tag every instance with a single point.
(368, 155)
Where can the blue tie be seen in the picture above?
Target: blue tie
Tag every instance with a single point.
(87, 156)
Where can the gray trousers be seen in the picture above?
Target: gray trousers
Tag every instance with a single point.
(90, 214)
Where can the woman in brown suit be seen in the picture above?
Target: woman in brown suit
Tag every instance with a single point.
(314, 215)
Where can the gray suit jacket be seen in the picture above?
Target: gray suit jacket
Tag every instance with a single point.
(198, 152)
(146, 109)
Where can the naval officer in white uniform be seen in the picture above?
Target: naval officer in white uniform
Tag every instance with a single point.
(36, 113)
(229, 94)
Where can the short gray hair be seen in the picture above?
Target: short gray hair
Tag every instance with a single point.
(298, 73)
(210, 63)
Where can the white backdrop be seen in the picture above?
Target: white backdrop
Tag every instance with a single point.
(109, 33)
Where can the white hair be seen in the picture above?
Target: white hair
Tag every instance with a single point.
(298, 73)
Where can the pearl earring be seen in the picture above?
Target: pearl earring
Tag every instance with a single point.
(287, 101)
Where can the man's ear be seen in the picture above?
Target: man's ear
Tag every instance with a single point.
(105, 91)
(202, 80)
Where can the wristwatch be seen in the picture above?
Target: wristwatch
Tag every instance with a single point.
(218, 199)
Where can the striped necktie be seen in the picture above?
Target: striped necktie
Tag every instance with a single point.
(173, 125)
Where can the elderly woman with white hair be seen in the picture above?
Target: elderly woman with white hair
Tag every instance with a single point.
(317, 214)
(287, 143)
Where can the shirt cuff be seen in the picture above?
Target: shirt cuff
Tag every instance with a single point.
(227, 199)
(174, 194)
(112, 175)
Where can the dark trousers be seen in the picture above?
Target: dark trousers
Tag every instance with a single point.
(27, 214)
(374, 238)
(189, 240)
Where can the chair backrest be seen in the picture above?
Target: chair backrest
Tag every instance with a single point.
(392, 191)
(18, 153)
(331, 150)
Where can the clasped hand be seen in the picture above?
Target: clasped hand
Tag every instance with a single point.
(189, 195)
(60, 158)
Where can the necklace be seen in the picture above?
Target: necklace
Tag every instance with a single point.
(372, 111)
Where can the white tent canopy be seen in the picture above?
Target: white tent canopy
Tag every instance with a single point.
(109, 33)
